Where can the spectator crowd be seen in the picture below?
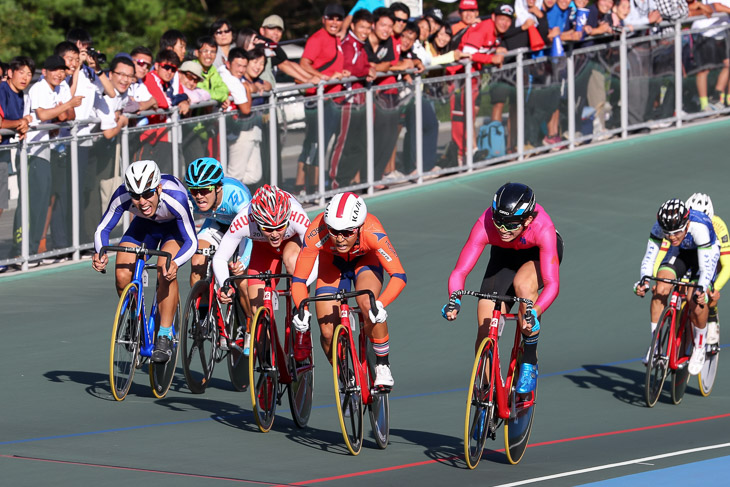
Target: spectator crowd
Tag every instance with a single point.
(233, 70)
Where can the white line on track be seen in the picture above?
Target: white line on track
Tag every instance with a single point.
(614, 465)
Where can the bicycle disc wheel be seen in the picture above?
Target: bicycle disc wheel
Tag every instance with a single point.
(301, 391)
(263, 376)
(199, 339)
(680, 377)
(519, 424)
(379, 407)
(709, 370)
(236, 360)
(125, 343)
(161, 374)
(658, 363)
(348, 396)
(479, 413)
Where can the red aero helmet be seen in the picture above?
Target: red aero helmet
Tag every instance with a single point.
(270, 206)
(346, 211)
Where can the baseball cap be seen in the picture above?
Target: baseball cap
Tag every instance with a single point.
(468, 5)
(273, 21)
(54, 62)
(434, 13)
(334, 9)
(192, 67)
(504, 9)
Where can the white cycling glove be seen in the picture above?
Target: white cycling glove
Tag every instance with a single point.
(302, 325)
(381, 316)
(639, 284)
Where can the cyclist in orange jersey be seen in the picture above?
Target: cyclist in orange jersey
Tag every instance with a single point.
(352, 246)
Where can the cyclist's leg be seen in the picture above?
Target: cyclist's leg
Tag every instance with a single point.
(369, 275)
(167, 291)
(210, 235)
(290, 252)
(329, 280)
(124, 269)
(498, 278)
(137, 234)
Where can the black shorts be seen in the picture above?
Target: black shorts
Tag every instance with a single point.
(709, 52)
(504, 264)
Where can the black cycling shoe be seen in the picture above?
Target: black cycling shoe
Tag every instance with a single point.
(163, 350)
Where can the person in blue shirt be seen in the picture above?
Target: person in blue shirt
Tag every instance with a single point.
(218, 199)
(162, 218)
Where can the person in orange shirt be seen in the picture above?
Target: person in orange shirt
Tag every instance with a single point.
(352, 246)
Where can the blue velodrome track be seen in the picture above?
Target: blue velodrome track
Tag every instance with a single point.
(60, 424)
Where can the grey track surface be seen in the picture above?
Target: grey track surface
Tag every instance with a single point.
(60, 424)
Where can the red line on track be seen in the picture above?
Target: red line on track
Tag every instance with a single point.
(544, 443)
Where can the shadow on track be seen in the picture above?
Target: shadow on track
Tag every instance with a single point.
(626, 385)
(98, 384)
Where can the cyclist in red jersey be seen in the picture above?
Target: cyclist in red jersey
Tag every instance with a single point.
(352, 247)
(525, 257)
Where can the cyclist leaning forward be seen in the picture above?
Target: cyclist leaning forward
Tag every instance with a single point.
(162, 218)
(352, 246)
(694, 248)
(525, 257)
(276, 223)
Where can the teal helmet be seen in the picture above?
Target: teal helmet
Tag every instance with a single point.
(202, 172)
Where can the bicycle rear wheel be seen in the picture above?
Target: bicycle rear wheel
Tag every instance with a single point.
(709, 370)
(199, 338)
(680, 377)
(479, 411)
(263, 376)
(658, 363)
(348, 396)
(236, 360)
(301, 391)
(125, 342)
(379, 407)
(161, 374)
(519, 424)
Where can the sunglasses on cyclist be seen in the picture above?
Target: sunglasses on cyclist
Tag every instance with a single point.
(674, 232)
(169, 67)
(145, 194)
(203, 190)
(505, 226)
(341, 233)
(273, 229)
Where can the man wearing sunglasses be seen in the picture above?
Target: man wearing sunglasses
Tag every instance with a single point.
(162, 219)
(142, 59)
(276, 223)
(352, 248)
(524, 258)
(694, 250)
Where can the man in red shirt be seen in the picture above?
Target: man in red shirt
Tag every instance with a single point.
(323, 60)
(349, 155)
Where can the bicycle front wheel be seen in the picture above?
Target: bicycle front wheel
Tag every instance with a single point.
(348, 396)
(236, 360)
(709, 370)
(125, 342)
(161, 374)
(379, 407)
(519, 424)
(263, 376)
(301, 390)
(680, 377)
(199, 338)
(479, 410)
(658, 360)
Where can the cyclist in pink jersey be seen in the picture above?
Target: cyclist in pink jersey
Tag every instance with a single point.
(525, 258)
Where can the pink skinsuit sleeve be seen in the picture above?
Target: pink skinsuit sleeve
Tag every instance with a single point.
(549, 267)
(469, 255)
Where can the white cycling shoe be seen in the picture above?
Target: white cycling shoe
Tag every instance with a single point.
(713, 332)
(383, 377)
(696, 361)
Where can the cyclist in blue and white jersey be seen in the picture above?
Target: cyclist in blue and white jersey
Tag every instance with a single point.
(694, 248)
(162, 218)
(218, 199)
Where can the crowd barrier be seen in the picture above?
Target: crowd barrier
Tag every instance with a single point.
(632, 83)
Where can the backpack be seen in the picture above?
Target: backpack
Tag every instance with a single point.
(491, 139)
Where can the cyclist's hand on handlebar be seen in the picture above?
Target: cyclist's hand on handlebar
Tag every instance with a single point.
(301, 324)
(449, 312)
(381, 316)
(641, 287)
(225, 293)
(700, 297)
(171, 273)
(99, 262)
(531, 323)
(236, 268)
(714, 295)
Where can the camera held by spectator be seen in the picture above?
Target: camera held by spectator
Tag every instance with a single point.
(99, 57)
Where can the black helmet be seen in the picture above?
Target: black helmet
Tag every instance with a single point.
(673, 215)
(513, 203)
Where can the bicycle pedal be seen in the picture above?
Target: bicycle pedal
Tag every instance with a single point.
(381, 390)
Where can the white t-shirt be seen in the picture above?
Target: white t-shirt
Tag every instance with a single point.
(139, 92)
(92, 90)
(235, 86)
(42, 95)
(107, 109)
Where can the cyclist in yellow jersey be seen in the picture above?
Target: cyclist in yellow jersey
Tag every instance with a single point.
(702, 202)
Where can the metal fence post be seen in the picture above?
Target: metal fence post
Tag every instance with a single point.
(175, 144)
(125, 165)
(469, 118)
(419, 127)
(24, 207)
(273, 142)
(369, 114)
(223, 141)
(571, 101)
(75, 191)
(623, 59)
(520, 107)
(322, 150)
(678, 72)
